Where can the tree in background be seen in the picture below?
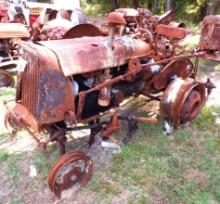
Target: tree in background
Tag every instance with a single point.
(136, 3)
(156, 6)
(114, 4)
(169, 5)
(186, 10)
(212, 7)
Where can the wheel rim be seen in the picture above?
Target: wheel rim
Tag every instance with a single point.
(72, 169)
(182, 101)
(6, 79)
(180, 68)
(11, 123)
(191, 107)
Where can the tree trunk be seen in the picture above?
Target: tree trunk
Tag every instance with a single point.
(155, 6)
(114, 4)
(149, 5)
(213, 6)
(168, 5)
(136, 3)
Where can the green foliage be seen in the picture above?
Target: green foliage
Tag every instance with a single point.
(104, 187)
(3, 136)
(96, 7)
(182, 168)
(206, 119)
(190, 10)
(212, 144)
(7, 91)
(100, 7)
(13, 168)
(187, 10)
(16, 200)
(3, 155)
(43, 161)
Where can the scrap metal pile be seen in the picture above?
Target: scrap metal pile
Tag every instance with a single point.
(32, 22)
(83, 79)
(57, 24)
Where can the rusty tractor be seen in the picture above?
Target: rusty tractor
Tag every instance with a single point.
(67, 82)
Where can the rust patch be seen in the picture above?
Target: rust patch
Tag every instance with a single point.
(73, 168)
(177, 105)
(210, 36)
(85, 50)
(179, 68)
(171, 31)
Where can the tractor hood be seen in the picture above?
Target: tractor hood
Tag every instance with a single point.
(87, 54)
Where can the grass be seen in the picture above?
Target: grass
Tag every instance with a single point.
(104, 187)
(43, 161)
(16, 200)
(3, 136)
(217, 67)
(3, 155)
(207, 66)
(7, 93)
(13, 168)
(206, 119)
(181, 168)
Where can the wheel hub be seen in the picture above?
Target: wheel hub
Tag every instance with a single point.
(72, 169)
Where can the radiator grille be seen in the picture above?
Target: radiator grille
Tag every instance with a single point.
(30, 80)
